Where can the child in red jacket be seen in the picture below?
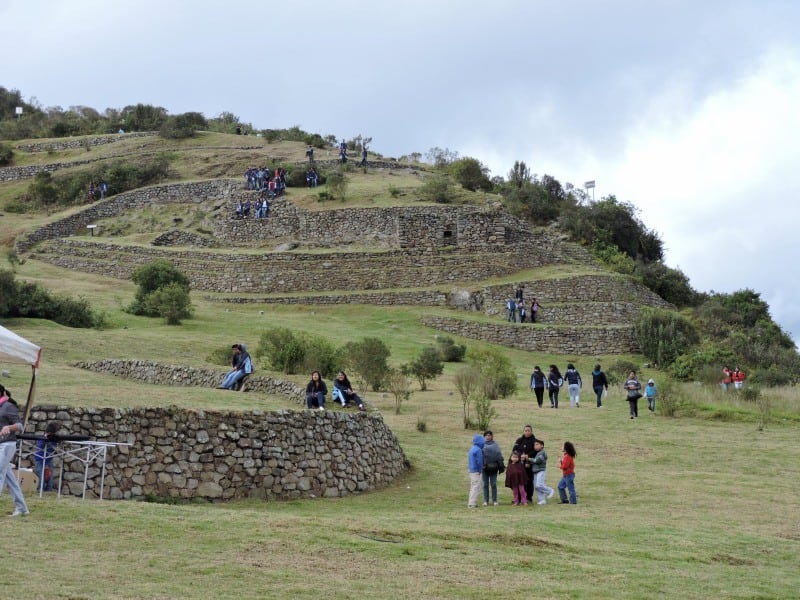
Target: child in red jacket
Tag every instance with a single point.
(567, 483)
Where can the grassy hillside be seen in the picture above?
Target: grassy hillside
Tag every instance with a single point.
(702, 505)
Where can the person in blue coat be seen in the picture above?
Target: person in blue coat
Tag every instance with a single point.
(475, 464)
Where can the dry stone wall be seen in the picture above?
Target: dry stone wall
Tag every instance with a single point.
(177, 193)
(600, 287)
(574, 340)
(156, 373)
(227, 455)
(73, 143)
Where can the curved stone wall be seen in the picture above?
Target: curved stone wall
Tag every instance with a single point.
(227, 455)
(156, 373)
(573, 340)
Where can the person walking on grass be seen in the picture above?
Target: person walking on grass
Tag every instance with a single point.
(554, 383)
(517, 479)
(634, 389)
(599, 384)
(475, 465)
(539, 468)
(574, 385)
(538, 381)
(650, 393)
(567, 483)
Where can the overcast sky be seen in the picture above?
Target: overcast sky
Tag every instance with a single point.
(688, 109)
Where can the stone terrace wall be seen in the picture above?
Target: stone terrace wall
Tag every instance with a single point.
(193, 192)
(228, 455)
(588, 341)
(29, 171)
(292, 272)
(404, 227)
(155, 373)
(72, 143)
(414, 298)
(601, 287)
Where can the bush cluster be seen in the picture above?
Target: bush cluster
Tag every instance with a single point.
(23, 299)
(6, 154)
(163, 291)
(56, 191)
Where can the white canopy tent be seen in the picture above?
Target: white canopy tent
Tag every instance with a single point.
(17, 350)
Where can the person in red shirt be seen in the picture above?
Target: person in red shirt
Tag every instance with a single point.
(726, 378)
(738, 378)
(567, 483)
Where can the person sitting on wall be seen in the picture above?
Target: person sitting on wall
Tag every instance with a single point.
(242, 366)
(343, 392)
(316, 391)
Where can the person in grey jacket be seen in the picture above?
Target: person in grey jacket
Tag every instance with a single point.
(492, 465)
(10, 426)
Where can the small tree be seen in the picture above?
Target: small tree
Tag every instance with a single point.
(367, 358)
(151, 277)
(449, 351)
(485, 411)
(337, 184)
(170, 302)
(428, 365)
(497, 377)
(468, 381)
(6, 154)
(284, 351)
(399, 385)
(437, 188)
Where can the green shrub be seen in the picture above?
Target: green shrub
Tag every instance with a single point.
(368, 359)
(437, 188)
(449, 351)
(618, 371)
(183, 126)
(422, 425)
(428, 365)
(468, 382)
(6, 154)
(156, 275)
(284, 351)
(471, 174)
(664, 335)
(337, 184)
(23, 299)
(221, 356)
(171, 302)
(497, 377)
(668, 399)
(484, 411)
(399, 385)
(773, 376)
(320, 355)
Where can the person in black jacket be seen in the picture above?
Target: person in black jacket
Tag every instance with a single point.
(316, 391)
(538, 383)
(524, 446)
(600, 384)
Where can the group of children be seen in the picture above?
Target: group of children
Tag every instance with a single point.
(525, 473)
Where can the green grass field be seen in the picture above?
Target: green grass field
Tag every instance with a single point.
(703, 505)
(696, 506)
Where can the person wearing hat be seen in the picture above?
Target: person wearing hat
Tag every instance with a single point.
(650, 393)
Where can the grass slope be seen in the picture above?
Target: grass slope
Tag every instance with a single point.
(699, 506)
